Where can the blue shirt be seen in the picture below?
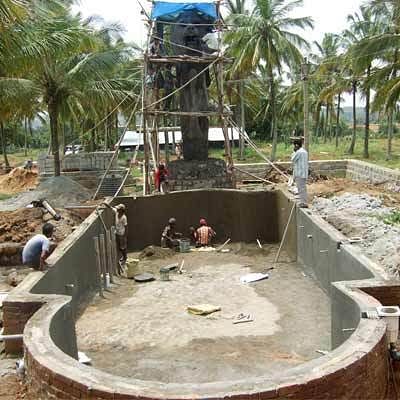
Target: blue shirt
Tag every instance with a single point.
(300, 163)
(34, 248)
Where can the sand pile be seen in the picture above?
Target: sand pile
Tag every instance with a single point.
(19, 226)
(18, 180)
(60, 191)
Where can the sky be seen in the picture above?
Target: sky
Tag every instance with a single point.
(328, 16)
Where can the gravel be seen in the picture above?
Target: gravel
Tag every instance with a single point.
(361, 215)
(59, 191)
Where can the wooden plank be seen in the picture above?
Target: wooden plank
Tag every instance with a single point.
(116, 265)
(189, 113)
(98, 264)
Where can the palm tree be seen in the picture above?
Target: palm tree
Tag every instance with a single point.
(369, 28)
(266, 37)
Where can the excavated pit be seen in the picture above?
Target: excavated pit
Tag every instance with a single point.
(144, 331)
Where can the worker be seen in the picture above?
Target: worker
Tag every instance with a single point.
(28, 165)
(178, 150)
(161, 178)
(170, 236)
(300, 170)
(121, 231)
(39, 248)
(204, 234)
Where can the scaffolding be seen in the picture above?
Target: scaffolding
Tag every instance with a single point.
(161, 110)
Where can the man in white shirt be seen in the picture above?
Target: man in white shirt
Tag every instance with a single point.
(121, 230)
(38, 248)
(300, 171)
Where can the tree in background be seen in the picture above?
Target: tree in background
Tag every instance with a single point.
(266, 37)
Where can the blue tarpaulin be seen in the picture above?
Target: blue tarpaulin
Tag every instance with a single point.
(170, 10)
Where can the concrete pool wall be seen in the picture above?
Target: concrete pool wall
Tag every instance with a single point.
(356, 368)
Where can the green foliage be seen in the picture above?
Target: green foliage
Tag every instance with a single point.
(393, 218)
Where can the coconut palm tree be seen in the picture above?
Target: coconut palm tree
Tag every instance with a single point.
(266, 36)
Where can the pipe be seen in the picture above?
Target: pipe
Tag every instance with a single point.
(50, 209)
(12, 337)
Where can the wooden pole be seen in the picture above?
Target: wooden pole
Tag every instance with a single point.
(109, 256)
(284, 234)
(98, 264)
(117, 267)
(103, 258)
(242, 121)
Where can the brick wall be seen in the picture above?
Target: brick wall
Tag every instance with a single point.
(367, 172)
(328, 168)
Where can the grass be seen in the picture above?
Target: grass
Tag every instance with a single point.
(18, 158)
(5, 196)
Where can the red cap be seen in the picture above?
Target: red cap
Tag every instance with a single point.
(203, 222)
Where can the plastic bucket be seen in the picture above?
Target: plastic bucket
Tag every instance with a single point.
(164, 274)
(184, 245)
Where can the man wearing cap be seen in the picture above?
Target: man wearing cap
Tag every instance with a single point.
(169, 237)
(300, 170)
(38, 248)
(204, 234)
(121, 230)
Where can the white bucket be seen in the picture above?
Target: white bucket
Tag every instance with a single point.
(391, 316)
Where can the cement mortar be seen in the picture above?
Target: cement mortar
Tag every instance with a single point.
(144, 330)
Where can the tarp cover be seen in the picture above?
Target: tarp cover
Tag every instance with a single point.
(170, 10)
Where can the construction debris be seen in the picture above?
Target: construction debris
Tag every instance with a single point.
(203, 309)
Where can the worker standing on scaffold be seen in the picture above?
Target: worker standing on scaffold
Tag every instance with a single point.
(300, 170)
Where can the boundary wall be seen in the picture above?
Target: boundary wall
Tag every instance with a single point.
(356, 368)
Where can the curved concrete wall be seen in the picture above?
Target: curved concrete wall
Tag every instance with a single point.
(357, 368)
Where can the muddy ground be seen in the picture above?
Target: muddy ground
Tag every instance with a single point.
(144, 330)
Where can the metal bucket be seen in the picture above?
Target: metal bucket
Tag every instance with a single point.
(164, 274)
(184, 245)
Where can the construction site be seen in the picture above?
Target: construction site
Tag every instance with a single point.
(288, 301)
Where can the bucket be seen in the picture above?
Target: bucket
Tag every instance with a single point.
(184, 245)
(132, 267)
(164, 274)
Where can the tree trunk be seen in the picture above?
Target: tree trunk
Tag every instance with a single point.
(4, 147)
(242, 121)
(53, 115)
(26, 137)
(317, 118)
(354, 134)
(274, 132)
(390, 135)
(367, 107)
(326, 122)
(337, 123)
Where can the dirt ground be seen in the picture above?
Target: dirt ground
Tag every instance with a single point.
(11, 387)
(144, 330)
(338, 186)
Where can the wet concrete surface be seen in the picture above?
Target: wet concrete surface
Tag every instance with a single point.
(144, 330)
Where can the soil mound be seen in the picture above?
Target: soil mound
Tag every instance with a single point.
(19, 226)
(154, 252)
(17, 180)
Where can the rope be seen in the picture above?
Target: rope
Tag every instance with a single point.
(255, 148)
(184, 85)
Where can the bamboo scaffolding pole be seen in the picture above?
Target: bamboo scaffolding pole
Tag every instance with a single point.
(98, 264)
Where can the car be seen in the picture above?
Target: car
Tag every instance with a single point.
(73, 149)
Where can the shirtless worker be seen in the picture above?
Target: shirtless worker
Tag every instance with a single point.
(39, 248)
(169, 237)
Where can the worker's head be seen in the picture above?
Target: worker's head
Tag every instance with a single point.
(120, 208)
(172, 222)
(161, 166)
(48, 229)
(297, 143)
(203, 222)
